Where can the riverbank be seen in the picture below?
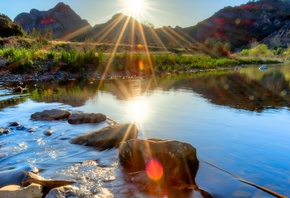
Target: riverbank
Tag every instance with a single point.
(118, 67)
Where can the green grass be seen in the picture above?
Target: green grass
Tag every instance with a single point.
(80, 61)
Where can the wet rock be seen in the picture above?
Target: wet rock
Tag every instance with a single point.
(31, 130)
(63, 192)
(4, 131)
(14, 124)
(171, 163)
(108, 137)
(46, 183)
(48, 115)
(80, 118)
(20, 128)
(48, 132)
(15, 191)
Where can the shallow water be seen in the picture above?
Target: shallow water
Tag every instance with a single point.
(237, 120)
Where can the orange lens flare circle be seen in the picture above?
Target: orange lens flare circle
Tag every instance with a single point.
(139, 46)
(154, 169)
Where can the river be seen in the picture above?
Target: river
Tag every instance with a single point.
(238, 121)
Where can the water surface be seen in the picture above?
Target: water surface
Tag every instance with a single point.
(237, 120)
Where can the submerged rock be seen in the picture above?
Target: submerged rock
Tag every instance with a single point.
(48, 132)
(108, 137)
(15, 191)
(171, 163)
(81, 118)
(49, 115)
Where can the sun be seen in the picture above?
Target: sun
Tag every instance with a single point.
(134, 7)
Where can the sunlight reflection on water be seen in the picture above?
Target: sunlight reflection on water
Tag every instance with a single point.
(248, 141)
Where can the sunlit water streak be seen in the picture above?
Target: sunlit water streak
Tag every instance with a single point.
(254, 146)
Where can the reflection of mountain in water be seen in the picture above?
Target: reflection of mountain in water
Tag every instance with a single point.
(237, 90)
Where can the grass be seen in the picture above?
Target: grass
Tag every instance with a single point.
(79, 60)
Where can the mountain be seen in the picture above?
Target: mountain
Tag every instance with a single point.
(266, 21)
(280, 38)
(61, 20)
(8, 28)
(126, 30)
(241, 25)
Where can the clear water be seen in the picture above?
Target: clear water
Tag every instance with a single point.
(237, 120)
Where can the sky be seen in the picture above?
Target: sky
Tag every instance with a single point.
(183, 13)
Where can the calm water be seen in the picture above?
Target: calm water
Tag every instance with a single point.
(237, 120)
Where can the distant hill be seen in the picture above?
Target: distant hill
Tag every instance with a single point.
(265, 21)
(8, 27)
(61, 20)
(241, 25)
(126, 30)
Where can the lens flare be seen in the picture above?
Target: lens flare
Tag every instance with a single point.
(141, 65)
(154, 169)
(139, 46)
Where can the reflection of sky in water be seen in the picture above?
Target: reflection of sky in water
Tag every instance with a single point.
(254, 146)
(250, 144)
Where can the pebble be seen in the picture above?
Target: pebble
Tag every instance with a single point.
(48, 132)
(20, 128)
(4, 131)
(31, 130)
(14, 124)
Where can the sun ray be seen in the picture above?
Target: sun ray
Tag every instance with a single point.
(111, 57)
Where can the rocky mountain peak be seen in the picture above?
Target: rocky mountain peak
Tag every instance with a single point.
(61, 20)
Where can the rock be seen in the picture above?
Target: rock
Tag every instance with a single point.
(48, 115)
(108, 137)
(49, 184)
(32, 130)
(81, 118)
(48, 132)
(4, 131)
(20, 128)
(63, 192)
(15, 191)
(14, 124)
(171, 163)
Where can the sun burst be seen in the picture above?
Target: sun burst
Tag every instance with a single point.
(134, 8)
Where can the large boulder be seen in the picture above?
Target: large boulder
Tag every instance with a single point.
(49, 115)
(15, 191)
(170, 163)
(81, 118)
(108, 137)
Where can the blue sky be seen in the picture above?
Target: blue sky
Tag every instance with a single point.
(159, 12)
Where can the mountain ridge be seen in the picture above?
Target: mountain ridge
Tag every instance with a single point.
(255, 21)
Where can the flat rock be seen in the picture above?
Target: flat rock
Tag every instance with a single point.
(81, 118)
(15, 191)
(46, 183)
(108, 137)
(49, 115)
